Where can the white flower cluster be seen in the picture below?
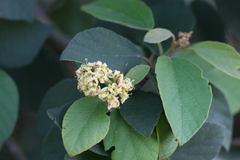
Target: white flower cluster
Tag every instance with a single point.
(92, 76)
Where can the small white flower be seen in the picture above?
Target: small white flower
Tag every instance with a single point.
(91, 75)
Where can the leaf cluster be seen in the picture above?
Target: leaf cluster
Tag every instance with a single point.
(185, 95)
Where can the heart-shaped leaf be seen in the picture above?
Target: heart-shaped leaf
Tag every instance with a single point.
(185, 94)
(133, 13)
(84, 125)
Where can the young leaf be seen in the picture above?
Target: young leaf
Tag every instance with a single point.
(63, 92)
(185, 94)
(220, 55)
(137, 73)
(99, 44)
(167, 142)
(84, 125)
(57, 114)
(131, 13)
(221, 115)
(205, 144)
(129, 144)
(13, 10)
(142, 111)
(157, 35)
(225, 83)
(9, 100)
(27, 39)
(53, 148)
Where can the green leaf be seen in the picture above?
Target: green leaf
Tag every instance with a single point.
(27, 39)
(131, 13)
(157, 35)
(186, 96)
(53, 148)
(99, 149)
(15, 10)
(57, 114)
(220, 55)
(220, 114)
(204, 145)
(137, 73)
(84, 125)
(87, 155)
(9, 100)
(142, 111)
(99, 44)
(63, 92)
(129, 144)
(182, 19)
(233, 154)
(167, 142)
(70, 21)
(225, 83)
(150, 86)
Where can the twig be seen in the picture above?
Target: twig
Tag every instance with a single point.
(57, 41)
(14, 149)
(235, 142)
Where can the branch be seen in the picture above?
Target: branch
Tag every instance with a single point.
(235, 142)
(14, 149)
(57, 41)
